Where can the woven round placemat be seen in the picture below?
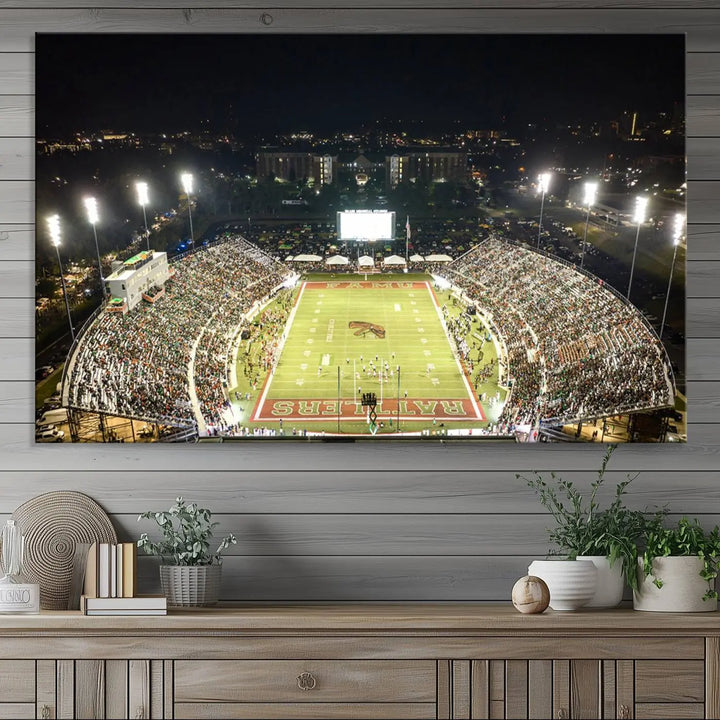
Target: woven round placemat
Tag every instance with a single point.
(53, 523)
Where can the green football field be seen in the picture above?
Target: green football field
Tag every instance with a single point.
(349, 337)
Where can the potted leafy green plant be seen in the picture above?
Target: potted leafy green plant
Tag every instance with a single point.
(606, 536)
(190, 573)
(678, 568)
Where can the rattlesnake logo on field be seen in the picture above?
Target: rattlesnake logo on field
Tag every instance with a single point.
(365, 327)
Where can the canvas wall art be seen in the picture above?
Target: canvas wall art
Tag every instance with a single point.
(476, 238)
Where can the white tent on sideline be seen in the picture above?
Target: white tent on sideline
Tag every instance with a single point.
(365, 261)
(307, 258)
(438, 258)
(417, 258)
(337, 260)
(394, 260)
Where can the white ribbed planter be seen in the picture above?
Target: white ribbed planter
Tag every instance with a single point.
(571, 582)
(191, 585)
(682, 589)
(610, 582)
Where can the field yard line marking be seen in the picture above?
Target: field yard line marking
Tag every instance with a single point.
(470, 391)
(283, 338)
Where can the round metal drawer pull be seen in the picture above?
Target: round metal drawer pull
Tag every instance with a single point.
(624, 712)
(561, 714)
(306, 681)
(45, 712)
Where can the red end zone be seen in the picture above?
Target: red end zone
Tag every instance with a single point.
(345, 284)
(447, 410)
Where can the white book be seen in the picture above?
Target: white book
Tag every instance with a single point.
(139, 602)
(104, 570)
(113, 571)
(125, 612)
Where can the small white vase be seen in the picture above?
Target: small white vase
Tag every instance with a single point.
(571, 582)
(610, 582)
(682, 587)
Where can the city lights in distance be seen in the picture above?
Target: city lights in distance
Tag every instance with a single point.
(678, 225)
(590, 193)
(53, 222)
(544, 182)
(640, 210)
(142, 193)
(187, 180)
(92, 210)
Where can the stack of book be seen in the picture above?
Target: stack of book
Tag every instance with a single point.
(111, 582)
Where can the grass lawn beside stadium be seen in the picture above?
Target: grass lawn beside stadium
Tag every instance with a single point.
(347, 335)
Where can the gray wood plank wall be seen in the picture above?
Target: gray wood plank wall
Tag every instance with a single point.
(333, 523)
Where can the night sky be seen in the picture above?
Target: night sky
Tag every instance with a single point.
(249, 84)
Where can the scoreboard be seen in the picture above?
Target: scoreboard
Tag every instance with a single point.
(366, 225)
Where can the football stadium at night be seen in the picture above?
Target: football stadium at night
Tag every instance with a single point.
(226, 341)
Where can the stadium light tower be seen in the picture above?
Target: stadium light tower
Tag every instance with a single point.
(142, 193)
(589, 200)
(544, 186)
(639, 218)
(677, 236)
(187, 179)
(53, 222)
(92, 213)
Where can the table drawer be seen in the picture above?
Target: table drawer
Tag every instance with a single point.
(668, 681)
(269, 681)
(17, 711)
(17, 681)
(663, 711)
(305, 711)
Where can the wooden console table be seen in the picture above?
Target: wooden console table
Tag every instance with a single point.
(421, 661)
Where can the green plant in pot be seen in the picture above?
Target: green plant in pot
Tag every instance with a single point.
(678, 568)
(585, 530)
(190, 572)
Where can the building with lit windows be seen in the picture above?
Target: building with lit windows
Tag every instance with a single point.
(296, 166)
(428, 166)
(324, 169)
(396, 167)
(288, 166)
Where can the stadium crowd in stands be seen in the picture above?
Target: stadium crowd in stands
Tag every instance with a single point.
(137, 364)
(575, 349)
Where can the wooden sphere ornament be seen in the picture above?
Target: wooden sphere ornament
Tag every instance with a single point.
(530, 595)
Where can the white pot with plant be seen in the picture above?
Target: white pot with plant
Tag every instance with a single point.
(607, 537)
(571, 583)
(678, 569)
(190, 573)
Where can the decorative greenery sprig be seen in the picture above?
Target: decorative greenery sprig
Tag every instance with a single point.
(688, 538)
(187, 530)
(582, 527)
